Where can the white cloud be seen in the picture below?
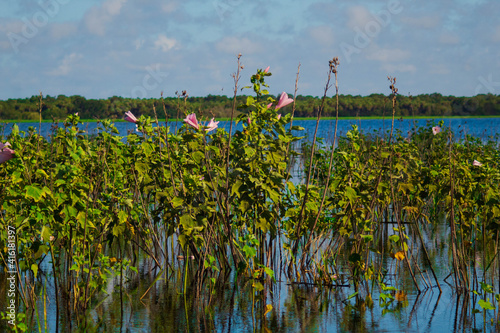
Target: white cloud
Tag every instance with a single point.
(66, 65)
(164, 43)
(358, 16)
(138, 43)
(169, 7)
(323, 35)
(113, 7)
(392, 68)
(97, 17)
(235, 45)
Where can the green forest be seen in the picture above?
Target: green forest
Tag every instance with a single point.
(57, 108)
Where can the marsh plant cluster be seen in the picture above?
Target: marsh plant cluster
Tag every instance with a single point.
(205, 202)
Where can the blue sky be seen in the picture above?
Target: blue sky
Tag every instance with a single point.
(132, 48)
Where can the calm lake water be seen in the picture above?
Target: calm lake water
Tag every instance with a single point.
(479, 127)
(295, 307)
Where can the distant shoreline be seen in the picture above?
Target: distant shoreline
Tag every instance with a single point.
(296, 118)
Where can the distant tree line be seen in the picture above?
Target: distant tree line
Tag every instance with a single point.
(59, 107)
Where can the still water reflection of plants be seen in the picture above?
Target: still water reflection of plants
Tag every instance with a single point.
(205, 230)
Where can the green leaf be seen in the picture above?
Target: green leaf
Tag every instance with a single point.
(250, 252)
(249, 151)
(394, 238)
(118, 229)
(59, 182)
(46, 233)
(486, 305)
(236, 187)
(34, 268)
(351, 194)
(269, 272)
(176, 202)
(258, 286)
(122, 216)
(198, 156)
(41, 172)
(182, 239)
(351, 296)
(141, 167)
(34, 193)
(187, 222)
(367, 238)
(244, 206)
(263, 225)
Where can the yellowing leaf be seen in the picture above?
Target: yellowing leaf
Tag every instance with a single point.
(400, 255)
(401, 296)
(269, 307)
(34, 268)
(46, 233)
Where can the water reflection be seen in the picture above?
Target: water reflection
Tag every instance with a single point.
(235, 307)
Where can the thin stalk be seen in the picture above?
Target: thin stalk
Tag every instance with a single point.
(427, 257)
(306, 192)
(452, 218)
(236, 78)
(333, 68)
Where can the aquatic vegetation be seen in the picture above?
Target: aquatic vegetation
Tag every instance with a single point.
(283, 101)
(192, 121)
(5, 152)
(204, 204)
(128, 117)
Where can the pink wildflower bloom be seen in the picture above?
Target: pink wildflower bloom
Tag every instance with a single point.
(249, 121)
(6, 153)
(284, 100)
(279, 116)
(130, 117)
(267, 69)
(436, 130)
(477, 163)
(269, 105)
(211, 125)
(191, 120)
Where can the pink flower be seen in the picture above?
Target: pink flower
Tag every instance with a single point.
(249, 121)
(130, 117)
(279, 116)
(284, 101)
(269, 105)
(211, 125)
(477, 163)
(191, 120)
(6, 153)
(267, 69)
(436, 130)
